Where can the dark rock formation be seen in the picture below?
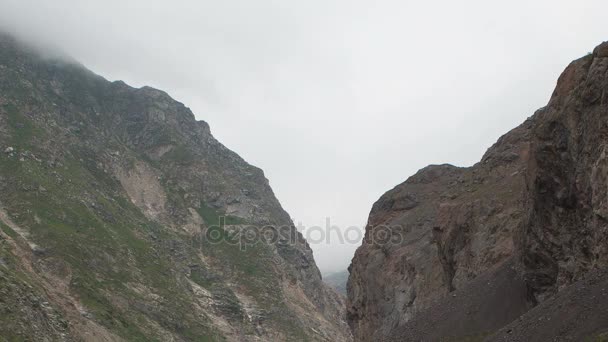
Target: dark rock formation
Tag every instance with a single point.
(532, 214)
(120, 216)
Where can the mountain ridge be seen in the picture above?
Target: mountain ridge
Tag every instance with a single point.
(108, 196)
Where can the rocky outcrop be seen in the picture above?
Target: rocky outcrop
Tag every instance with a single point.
(534, 204)
(567, 231)
(123, 198)
(461, 226)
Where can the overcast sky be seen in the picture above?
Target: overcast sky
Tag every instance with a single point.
(338, 101)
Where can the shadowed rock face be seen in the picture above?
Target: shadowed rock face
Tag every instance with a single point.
(537, 201)
(576, 313)
(107, 193)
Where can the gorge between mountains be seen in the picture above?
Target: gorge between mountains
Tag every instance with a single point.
(109, 194)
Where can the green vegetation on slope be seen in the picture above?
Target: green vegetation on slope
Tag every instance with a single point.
(104, 239)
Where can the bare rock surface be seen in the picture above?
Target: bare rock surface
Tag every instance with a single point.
(577, 313)
(536, 201)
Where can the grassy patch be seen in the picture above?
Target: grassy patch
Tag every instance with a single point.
(603, 337)
(8, 230)
(180, 155)
(212, 217)
(22, 128)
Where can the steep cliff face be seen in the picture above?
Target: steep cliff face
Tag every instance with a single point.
(120, 216)
(531, 214)
(447, 226)
(568, 199)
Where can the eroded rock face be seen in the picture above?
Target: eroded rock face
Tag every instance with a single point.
(114, 190)
(463, 225)
(537, 200)
(567, 231)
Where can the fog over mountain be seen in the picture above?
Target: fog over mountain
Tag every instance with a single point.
(337, 101)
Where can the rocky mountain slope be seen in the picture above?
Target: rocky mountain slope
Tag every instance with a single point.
(457, 253)
(119, 215)
(577, 313)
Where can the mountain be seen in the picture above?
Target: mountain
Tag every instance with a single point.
(337, 281)
(121, 218)
(513, 242)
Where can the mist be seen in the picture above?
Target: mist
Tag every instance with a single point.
(337, 101)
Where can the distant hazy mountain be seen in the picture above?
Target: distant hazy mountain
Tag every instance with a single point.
(337, 280)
